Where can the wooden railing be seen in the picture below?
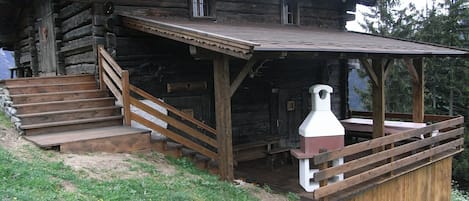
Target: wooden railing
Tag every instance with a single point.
(114, 78)
(402, 116)
(191, 132)
(373, 162)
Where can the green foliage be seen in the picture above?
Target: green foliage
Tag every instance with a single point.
(457, 195)
(293, 196)
(38, 179)
(5, 121)
(267, 188)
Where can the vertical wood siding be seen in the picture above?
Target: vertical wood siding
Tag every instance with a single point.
(432, 182)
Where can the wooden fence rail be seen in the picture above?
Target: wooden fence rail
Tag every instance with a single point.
(198, 136)
(405, 152)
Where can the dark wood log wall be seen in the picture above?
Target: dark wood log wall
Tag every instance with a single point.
(25, 47)
(320, 13)
(82, 28)
(261, 104)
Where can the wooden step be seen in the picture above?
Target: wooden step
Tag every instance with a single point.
(174, 149)
(63, 105)
(58, 96)
(201, 161)
(51, 79)
(61, 126)
(48, 88)
(66, 115)
(158, 143)
(188, 153)
(212, 167)
(104, 139)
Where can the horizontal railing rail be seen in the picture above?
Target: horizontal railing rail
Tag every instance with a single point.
(384, 158)
(193, 133)
(200, 136)
(403, 116)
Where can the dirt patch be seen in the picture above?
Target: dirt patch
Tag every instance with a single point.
(68, 186)
(104, 166)
(11, 140)
(160, 163)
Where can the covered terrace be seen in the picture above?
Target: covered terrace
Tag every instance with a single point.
(382, 158)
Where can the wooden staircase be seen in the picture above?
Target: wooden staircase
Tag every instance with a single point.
(75, 115)
(71, 113)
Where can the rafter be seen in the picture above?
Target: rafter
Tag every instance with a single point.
(369, 70)
(413, 72)
(387, 66)
(241, 75)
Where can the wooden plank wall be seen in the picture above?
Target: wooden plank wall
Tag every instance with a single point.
(432, 182)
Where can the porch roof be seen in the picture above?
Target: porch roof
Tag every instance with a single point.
(243, 40)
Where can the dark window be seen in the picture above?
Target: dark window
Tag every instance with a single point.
(202, 8)
(290, 12)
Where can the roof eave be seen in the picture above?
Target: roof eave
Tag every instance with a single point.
(226, 45)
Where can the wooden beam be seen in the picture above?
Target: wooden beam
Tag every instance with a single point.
(369, 70)
(242, 74)
(418, 86)
(387, 66)
(221, 80)
(379, 108)
(413, 72)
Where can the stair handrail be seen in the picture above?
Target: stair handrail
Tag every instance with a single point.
(114, 78)
(202, 138)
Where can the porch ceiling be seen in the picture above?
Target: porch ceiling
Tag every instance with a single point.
(244, 40)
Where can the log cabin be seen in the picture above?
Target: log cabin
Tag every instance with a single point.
(232, 77)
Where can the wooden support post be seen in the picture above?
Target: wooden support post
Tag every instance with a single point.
(126, 97)
(102, 85)
(418, 110)
(222, 92)
(379, 108)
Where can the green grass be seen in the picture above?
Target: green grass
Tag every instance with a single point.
(5, 121)
(39, 179)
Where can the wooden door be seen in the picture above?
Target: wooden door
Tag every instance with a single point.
(47, 43)
(292, 110)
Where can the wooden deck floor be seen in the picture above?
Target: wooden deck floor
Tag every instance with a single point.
(55, 139)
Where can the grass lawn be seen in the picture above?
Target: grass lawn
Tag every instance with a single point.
(40, 179)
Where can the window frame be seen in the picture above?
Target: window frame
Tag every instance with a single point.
(290, 11)
(209, 8)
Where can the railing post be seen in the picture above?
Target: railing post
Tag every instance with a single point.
(126, 97)
(323, 166)
(102, 85)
